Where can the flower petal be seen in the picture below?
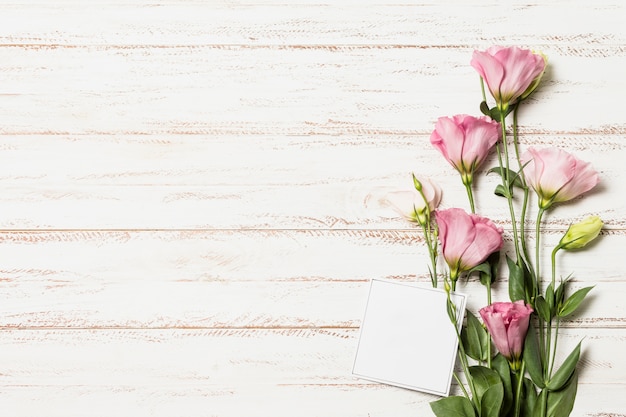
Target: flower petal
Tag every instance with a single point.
(490, 69)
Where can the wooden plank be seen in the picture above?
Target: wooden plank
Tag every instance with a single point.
(225, 358)
(131, 304)
(189, 181)
(196, 399)
(233, 371)
(221, 279)
(235, 90)
(334, 23)
(192, 193)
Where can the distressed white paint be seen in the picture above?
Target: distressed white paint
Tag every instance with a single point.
(192, 193)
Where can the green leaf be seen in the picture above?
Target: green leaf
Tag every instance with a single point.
(532, 357)
(561, 403)
(517, 289)
(491, 402)
(566, 370)
(529, 398)
(495, 114)
(514, 177)
(453, 407)
(571, 304)
(550, 299)
(541, 404)
(475, 338)
(543, 310)
(484, 378)
(502, 192)
(484, 109)
(488, 278)
(501, 366)
(452, 313)
(559, 295)
(484, 267)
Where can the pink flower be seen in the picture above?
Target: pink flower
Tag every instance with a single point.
(509, 72)
(465, 141)
(557, 176)
(412, 205)
(466, 239)
(507, 323)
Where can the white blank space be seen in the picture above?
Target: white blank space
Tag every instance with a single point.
(407, 338)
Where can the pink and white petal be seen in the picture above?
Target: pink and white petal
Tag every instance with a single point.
(489, 69)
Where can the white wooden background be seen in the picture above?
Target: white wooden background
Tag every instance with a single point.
(191, 193)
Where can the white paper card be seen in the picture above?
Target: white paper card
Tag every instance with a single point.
(407, 338)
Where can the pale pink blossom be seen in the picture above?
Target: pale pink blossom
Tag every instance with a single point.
(557, 176)
(466, 239)
(509, 72)
(414, 206)
(465, 141)
(508, 324)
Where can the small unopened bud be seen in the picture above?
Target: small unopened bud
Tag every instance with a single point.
(417, 183)
(580, 234)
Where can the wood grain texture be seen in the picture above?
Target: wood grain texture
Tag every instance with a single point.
(294, 182)
(278, 90)
(192, 194)
(232, 278)
(212, 372)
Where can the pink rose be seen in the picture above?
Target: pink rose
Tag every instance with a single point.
(465, 141)
(557, 176)
(466, 239)
(411, 204)
(508, 72)
(507, 323)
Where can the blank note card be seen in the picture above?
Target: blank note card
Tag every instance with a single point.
(407, 338)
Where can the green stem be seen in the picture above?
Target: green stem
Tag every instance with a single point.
(550, 363)
(522, 223)
(431, 241)
(465, 366)
(482, 88)
(553, 262)
(537, 242)
(544, 336)
(458, 381)
(518, 392)
(462, 355)
(556, 337)
(506, 183)
(489, 334)
(470, 194)
(432, 251)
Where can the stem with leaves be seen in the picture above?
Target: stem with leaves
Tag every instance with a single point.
(454, 319)
(506, 181)
(430, 231)
(431, 243)
(525, 189)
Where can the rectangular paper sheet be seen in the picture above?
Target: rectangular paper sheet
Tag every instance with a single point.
(407, 338)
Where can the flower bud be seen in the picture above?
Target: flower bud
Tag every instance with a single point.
(416, 206)
(508, 324)
(579, 234)
(417, 183)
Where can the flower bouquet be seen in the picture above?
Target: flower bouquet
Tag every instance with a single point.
(520, 377)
